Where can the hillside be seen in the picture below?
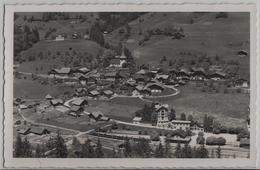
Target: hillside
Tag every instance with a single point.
(204, 35)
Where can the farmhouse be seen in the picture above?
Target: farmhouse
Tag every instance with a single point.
(162, 77)
(39, 130)
(241, 83)
(180, 124)
(48, 97)
(59, 38)
(83, 79)
(184, 73)
(107, 93)
(94, 93)
(217, 76)
(96, 115)
(56, 102)
(61, 72)
(79, 102)
(137, 120)
(75, 111)
(154, 87)
(198, 74)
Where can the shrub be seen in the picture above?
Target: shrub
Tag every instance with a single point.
(215, 141)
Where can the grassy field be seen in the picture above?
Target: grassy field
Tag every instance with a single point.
(34, 90)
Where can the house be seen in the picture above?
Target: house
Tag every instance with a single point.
(24, 131)
(241, 83)
(154, 87)
(56, 102)
(75, 111)
(123, 74)
(180, 124)
(107, 93)
(83, 70)
(94, 93)
(22, 107)
(83, 79)
(59, 38)
(184, 73)
(96, 115)
(162, 111)
(64, 71)
(162, 77)
(141, 79)
(39, 130)
(79, 102)
(137, 120)
(198, 74)
(141, 72)
(196, 126)
(81, 91)
(48, 97)
(217, 76)
(131, 82)
(104, 118)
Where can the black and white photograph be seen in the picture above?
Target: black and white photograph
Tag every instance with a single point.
(132, 85)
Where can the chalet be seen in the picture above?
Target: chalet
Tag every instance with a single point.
(241, 83)
(24, 131)
(75, 111)
(180, 124)
(196, 126)
(61, 72)
(198, 74)
(56, 102)
(39, 130)
(83, 70)
(94, 93)
(155, 87)
(184, 73)
(96, 115)
(137, 120)
(217, 76)
(162, 115)
(162, 77)
(142, 72)
(141, 79)
(107, 93)
(79, 102)
(22, 107)
(104, 118)
(59, 38)
(48, 97)
(83, 79)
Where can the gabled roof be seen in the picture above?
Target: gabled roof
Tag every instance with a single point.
(75, 108)
(48, 96)
(56, 101)
(111, 74)
(97, 114)
(139, 87)
(161, 106)
(142, 71)
(94, 92)
(37, 130)
(84, 70)
(138, 119)
(162, 76)
(78, 101)
(108, 92)
(149, 85)
(219, 73)
(83, 77)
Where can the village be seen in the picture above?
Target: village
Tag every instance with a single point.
(122, 105)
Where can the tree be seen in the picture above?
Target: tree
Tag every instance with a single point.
(18, 152)
(212, 155)
(159, 151)
(60, 147)
(183, 116)
(200, 139)
(99, 150)
(39, 151)
(27, 149)
(127, 148)
(178, 153)
(186, 151)
(172, 115)
(202, 152)
(218, 152)
(87, 150)
(190, 118)
(96, 34)
(167, 149)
